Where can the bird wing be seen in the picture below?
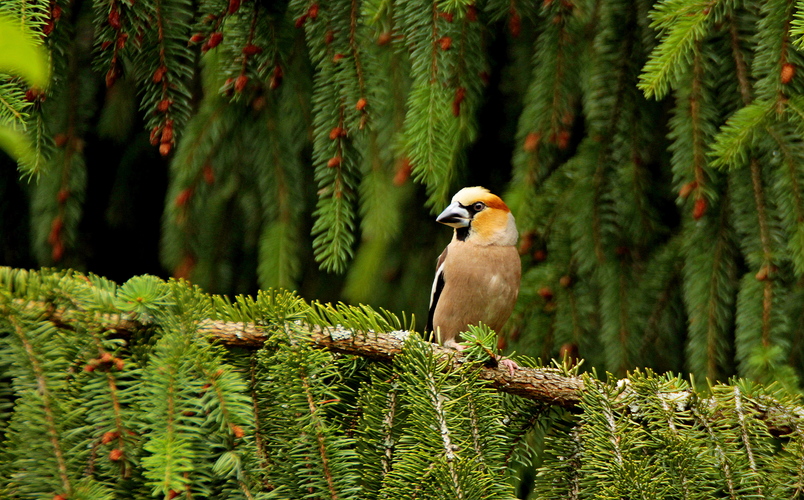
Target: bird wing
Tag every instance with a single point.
(438, 287)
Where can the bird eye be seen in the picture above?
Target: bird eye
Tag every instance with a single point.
(479, 206)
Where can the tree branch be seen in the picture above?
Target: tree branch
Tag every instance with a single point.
(541, 385)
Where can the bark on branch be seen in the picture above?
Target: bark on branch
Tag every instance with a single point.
(541, 385)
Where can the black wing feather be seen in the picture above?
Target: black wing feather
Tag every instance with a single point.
(438, 287)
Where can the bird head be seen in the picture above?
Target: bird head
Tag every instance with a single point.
(480, 217)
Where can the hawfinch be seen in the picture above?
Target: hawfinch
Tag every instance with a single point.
(477, 276)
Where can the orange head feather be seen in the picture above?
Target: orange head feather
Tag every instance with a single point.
(494, 223)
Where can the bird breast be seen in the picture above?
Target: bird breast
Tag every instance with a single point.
(481, 283)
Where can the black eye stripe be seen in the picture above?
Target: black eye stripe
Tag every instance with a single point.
(474, 207)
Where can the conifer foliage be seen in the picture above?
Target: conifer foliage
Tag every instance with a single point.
(655, 177)
(114, 392)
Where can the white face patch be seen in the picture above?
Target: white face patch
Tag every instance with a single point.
(469, 195)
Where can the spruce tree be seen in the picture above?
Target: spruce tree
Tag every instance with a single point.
(157, 389)
(650, 152)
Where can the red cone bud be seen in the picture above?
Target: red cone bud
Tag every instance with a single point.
(159, 74)
(209, 174)
(251, 49)
(687, 188)
(163, 105)
(403, 172)
(515, 24)
(532, 142)
(384, 38)
(185, 268)
(167, 132)
(183, 197)
(562, 139)
(112, 75)
(31, 94)
(155, 136)
(214, 40)
(788, 72)
(108, 437)
(56, 226)
(114, 18)
(471, 13)
(121, 41)
(700, 208)
(58, 252)
(337, 132)
(276, 79)
(240, 83)
(460, 95)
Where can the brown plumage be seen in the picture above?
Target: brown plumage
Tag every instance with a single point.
(477, 276)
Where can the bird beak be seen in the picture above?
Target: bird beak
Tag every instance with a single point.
(455, 215)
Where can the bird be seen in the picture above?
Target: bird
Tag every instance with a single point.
(478, 273)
